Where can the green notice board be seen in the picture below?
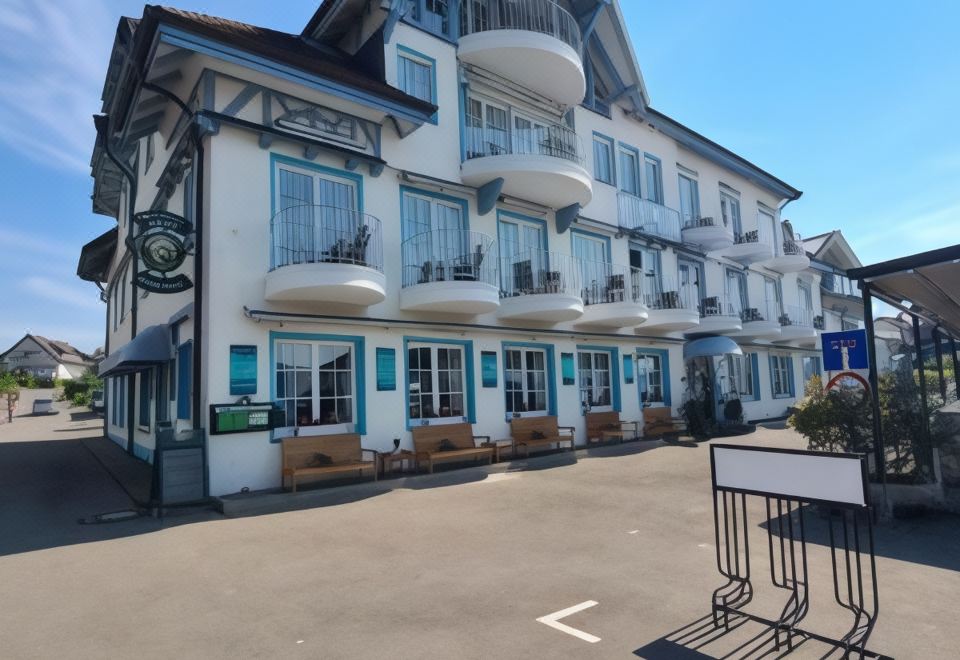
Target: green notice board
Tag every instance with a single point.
(243, 370)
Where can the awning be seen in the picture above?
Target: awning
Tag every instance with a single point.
(710, 347)
(149, 348)
(95, 257)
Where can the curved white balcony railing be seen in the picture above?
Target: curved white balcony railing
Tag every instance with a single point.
(750, 246)
(326, 254)
(612, 294)
(642, 215)
(719, 315)
(708, 233)
(536, 43)
(450, 270)
(539, 285)
(789, 256)
(761, 320)
(671, 307)
(797, 324)
(542, 163)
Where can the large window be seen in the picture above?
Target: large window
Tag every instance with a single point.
(781, 375)
(730, 210)
(735, 287)
(603, 166)
(523, 242)
(596, 389)
(118, 392)
(416, 74)
(525, 381)
(437, 382)
(315, 383)
(629, 169)
(487, 127)
(650, 378)
(806, 295)
(689, 198)
(431, 15)
(653, 178)
(740, 376)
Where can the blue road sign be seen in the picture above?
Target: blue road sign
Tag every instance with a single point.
(845, 350)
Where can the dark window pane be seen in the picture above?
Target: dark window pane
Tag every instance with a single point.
(328, 411)
(343, 383)
(344, 410)
(326, 384)
(304, 412)
(304, 386)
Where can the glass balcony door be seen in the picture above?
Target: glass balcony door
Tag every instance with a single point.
(522, 250)
(691, 281)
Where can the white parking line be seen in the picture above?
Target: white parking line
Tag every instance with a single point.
(552, 620)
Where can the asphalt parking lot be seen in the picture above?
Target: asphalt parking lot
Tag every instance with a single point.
(458, 565)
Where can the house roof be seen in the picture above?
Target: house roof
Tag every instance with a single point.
(832, 248)
(59, 350)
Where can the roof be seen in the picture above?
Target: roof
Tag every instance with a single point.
(926, 281)
(283, 47)
(59, 350)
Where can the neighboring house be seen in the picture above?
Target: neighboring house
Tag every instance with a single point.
(451, 214)
(46, 358)
(830, 257)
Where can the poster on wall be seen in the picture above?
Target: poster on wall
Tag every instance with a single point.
(488, 368)
(243, 370)
(568, 368)
(386, 370)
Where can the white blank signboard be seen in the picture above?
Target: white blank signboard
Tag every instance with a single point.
(791, 475)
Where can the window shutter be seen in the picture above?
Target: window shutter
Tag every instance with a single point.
(755, 364)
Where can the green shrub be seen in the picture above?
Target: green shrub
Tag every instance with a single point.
(82, 399)
(26, 379)
(8, 384)
(838, 420)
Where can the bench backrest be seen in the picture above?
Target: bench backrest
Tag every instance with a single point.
(657, 415)
(523, 428)
(300, 452)
(428, 438)
(597, 422)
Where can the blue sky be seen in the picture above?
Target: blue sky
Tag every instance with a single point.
(855, 103)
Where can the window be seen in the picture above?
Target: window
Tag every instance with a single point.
(735, 288)
(427, 213)
(647, 260)
(184, 379)
(523, 243)
(315, 383)
(740, 376)
(730, 210)
(143, 417)
(487, 128)
(431, 15)
(781, 376)
(525, 381)
(119, 392)
(689, 199)
(806, 295)
(595, 381)
(811, 367)
(603, 167)
(629, 170)
(163, 405)
(650, 378)
(437, 381)
(416, 74)
(771, 291)
(653, 178)
(593, 256)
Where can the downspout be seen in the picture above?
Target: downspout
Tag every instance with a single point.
(198, 279)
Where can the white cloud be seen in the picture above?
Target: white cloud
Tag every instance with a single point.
(53, 58)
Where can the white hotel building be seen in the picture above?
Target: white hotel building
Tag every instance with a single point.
(423, 212)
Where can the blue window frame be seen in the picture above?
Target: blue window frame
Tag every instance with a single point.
(145, 394)
(434, 16)
(781, 376)
(184, 378)
(598, 371)
(653, 376)
(629, 162)
(417, 75)
(439, 381)
(604, 167)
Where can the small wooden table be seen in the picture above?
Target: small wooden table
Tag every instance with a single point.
(498, 446)
(387, 460)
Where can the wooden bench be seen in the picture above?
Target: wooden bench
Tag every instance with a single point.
(603, 426)
(660, 422)
(305, 456)
(427, 441)
(539, 432)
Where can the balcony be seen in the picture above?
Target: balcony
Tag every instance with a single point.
(542, 164)
(797, 325)
(536, 285)
(612, 295)
(707, 233)
(671, 309)
(790, 256)
(750, 246)
(450, 270)
(642, 215)
(718, 316)
(535, 43)
(325, 254)
(762, 322)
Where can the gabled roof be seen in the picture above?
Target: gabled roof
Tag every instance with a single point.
(60, 351)
(832, 248)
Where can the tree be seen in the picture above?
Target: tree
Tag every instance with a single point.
(838, 420)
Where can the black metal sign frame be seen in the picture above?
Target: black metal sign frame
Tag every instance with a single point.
(161, 246)
(851, 551)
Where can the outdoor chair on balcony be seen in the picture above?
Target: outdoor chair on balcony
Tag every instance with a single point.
(522, 278)
(468, 267)
(751, 314)
(785, 320)
(669, 300)
(749, 237)
(711, 306)
(550, 281)
(616, 288)
(351, 252)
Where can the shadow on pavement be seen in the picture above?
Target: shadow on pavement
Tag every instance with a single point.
(701, 640)
(933, 540)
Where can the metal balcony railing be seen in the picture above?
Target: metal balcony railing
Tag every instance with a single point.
(767, 310)
(527, 271)
(661, 293)
(642, 215)
(693, 223)
(794, 315)
(608, 283)
(543, 16)
(310, 234)
(449, 255)
(760, 235)
(554, 140)
(791, 246)
(715, 306)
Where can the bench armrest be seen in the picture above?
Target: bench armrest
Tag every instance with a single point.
(375, 453)
(485, 438)
(571, 430)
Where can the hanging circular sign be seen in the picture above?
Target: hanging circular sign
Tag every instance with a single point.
(161, 245)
